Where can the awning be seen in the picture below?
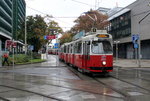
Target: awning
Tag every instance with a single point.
(125, 10)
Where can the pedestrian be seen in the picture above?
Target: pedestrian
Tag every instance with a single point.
(5, 59)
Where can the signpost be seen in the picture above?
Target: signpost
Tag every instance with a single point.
(31, 47)
(10, 43)
(135, 38)
(56, 45)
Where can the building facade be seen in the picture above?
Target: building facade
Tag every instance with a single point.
(12, 16)
(125, 23)
(5, 22)
(103, 10)
(19, 13)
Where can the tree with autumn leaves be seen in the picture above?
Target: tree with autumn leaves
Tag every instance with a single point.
(91, 19)
(66, 37)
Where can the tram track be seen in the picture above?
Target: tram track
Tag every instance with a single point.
(131, 83)
(120, 91)
(4, 99)
(124, 94)
(36, 93)
(70, 88)
(82, 77)
(77, 73)
(138, 74)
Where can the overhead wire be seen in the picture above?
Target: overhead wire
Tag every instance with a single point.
(82, 3)
(52, 16)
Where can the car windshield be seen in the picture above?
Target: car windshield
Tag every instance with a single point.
(101, 47)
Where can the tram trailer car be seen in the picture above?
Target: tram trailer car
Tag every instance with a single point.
(92, 53)
(53, 51)
(61, 53)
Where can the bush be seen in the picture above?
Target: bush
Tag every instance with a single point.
(19, 58)
(35, 55)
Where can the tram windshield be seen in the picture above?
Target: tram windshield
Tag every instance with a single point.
(101, 47)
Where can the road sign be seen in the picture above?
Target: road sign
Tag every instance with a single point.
(14, 44)
(56, 45)
(31, 47)
(8, 43)
(45, 37)
(49, 37)
(135, 37)
(136, 45)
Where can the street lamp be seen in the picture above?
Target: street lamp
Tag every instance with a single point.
(116, 42)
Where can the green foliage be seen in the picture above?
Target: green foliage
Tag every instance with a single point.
(36, 29)
(55, 27)
(35, 55)
(22, 58)
(37, 60)
(19, 58)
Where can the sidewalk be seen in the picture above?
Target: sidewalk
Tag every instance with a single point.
(131, 63)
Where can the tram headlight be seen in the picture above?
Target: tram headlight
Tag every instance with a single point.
(104, 62)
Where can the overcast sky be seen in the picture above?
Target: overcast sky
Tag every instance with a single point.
(69, 8)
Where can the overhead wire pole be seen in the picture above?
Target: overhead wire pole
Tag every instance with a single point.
(25, 35)
(12, 32)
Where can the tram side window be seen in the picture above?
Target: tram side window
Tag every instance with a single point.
(79, 47)
(71, 51)
(75, 48)
(88, 47)
(65, 49)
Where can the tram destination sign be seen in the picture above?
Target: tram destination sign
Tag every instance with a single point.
(102, 36)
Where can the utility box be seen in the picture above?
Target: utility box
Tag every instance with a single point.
(43, 56)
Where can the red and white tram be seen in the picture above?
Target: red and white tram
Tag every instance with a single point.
(92, 53)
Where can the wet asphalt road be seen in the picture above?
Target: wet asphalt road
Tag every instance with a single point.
(54, 81)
